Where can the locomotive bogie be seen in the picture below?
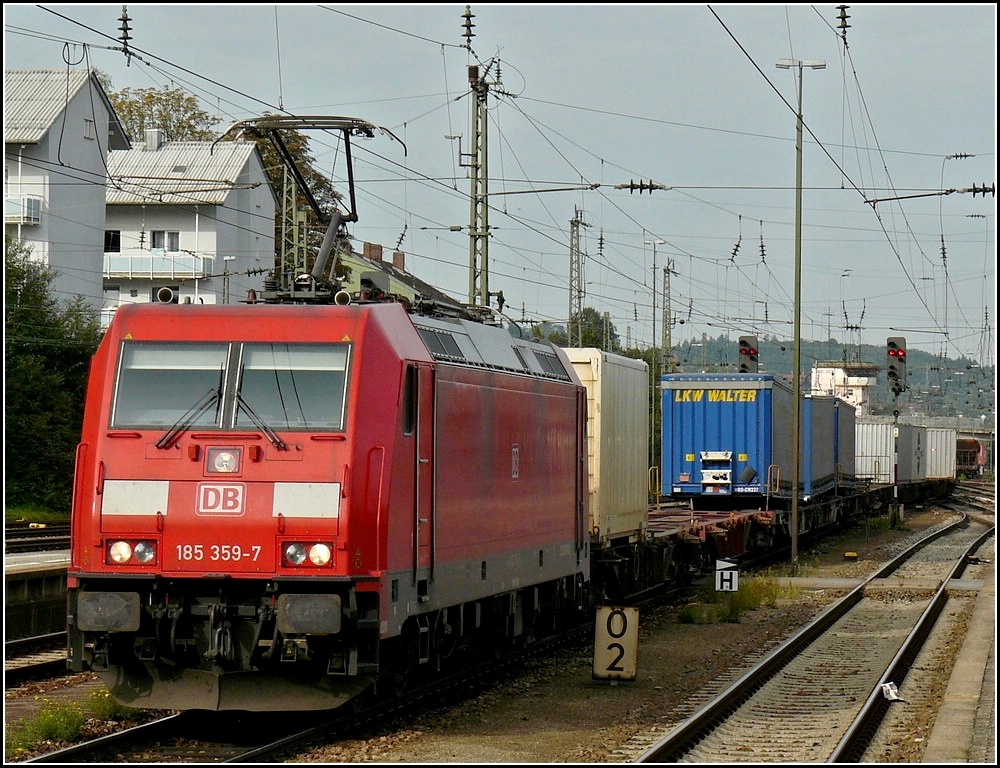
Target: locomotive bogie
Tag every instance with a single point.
(189, 645)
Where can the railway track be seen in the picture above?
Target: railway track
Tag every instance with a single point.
(34, 658)
(822, 695)
(35, 537)
(205, 742)
(238, 737)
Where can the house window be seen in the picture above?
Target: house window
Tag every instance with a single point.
(112, 241)
(89, 131)
(167, 241)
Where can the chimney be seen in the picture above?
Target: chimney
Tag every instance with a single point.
(398, 261)
(154, 139)
(373, 251)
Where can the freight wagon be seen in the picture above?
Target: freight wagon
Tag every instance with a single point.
(730, 437)
(626, 558)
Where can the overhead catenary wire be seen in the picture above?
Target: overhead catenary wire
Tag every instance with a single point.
(555, 235)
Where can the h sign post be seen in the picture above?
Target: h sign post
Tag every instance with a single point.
(727, 576)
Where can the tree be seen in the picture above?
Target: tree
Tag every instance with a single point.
(176, 112)
(594, 331)
(47, 351)
(297, 144)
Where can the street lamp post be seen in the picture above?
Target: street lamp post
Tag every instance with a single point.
(797, 351)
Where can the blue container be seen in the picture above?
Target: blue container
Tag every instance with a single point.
(819, 435)
(845, 440)
(730, 435)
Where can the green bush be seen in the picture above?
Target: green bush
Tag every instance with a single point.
(103, 706)
(48, 345)
(63, 721)
(57, 721)
(713, 606)
(696, 613)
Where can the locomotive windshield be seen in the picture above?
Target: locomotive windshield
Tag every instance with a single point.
(181, 385)
(293, 386)
(158, 383)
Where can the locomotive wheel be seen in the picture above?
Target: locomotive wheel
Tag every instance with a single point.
(404, 654)
(447, 639)
(359, 702)
(392, 684)
(400, 682)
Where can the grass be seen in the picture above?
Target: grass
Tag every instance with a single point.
(62, 721)
(33, 515)
(712, 606)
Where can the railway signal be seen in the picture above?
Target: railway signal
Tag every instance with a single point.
(895, 350)
(748, 354)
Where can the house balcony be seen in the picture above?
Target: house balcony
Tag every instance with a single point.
(22, 210)
(157, 264)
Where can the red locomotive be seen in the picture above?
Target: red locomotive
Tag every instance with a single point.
(265, 524)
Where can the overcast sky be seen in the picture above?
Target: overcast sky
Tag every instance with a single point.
(590, 97)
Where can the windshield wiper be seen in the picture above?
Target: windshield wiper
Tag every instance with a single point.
(259, 423)
(184, 423)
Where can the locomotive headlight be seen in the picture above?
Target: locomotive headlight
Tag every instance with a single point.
(145, 552)
(295, 554)
(222, 460)
(320, 554)
(120, 552)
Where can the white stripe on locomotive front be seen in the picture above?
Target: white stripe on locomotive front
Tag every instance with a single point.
(149, 497)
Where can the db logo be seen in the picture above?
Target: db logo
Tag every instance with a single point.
(220, 499)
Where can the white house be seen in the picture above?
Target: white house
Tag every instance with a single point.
(158, 221)
(58, 129)
(848, 381)
(187, 221)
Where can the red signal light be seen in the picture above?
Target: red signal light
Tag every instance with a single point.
(895, 348)
(748, 354)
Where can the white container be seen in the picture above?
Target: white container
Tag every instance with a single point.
(876, 449)
(912, 453)
(873, 451)
(617, 441)
(941, 445)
